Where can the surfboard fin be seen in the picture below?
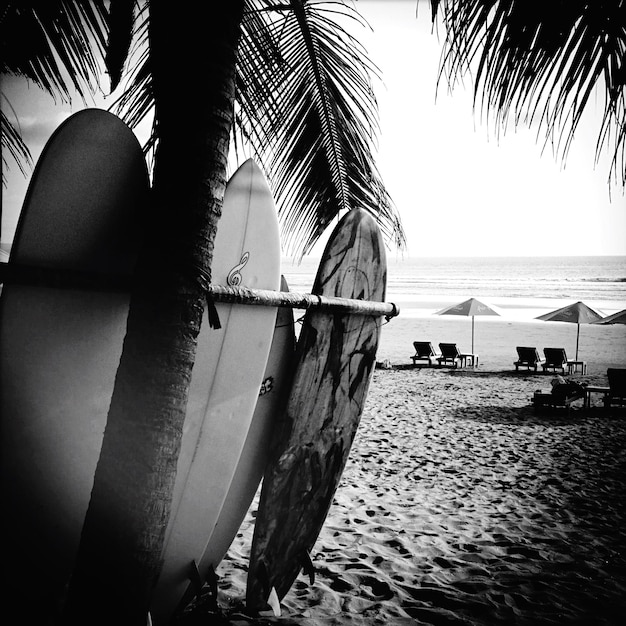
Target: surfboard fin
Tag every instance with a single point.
(196, 586)
(264, 578)
(211, 580)
(194, 577)
(197, 590)
(307, 566)
(274, 602)
(269, 593)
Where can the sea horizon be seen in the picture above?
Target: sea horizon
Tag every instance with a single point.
(523, 287)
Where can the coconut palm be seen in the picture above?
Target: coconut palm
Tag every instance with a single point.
(295, 84)
(312, 120)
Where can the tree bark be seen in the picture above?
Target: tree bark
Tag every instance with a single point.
(192, 54)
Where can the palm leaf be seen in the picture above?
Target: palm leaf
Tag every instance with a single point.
(137, 101)
(544, 65)
(58, 45)
(120, 22)
(305, 105)
(13, 144)
(317, 129)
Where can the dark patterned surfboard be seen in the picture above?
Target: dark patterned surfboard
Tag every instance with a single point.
(335, 356)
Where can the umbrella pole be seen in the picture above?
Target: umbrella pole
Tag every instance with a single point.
(577, 335)
(472, 334)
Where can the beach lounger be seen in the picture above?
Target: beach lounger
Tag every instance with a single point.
(527, 357)
(556, 359)
(424, 351)
(450, 354)
(561, 396)
(617, 387)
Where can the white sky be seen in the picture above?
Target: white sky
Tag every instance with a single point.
(461, 190)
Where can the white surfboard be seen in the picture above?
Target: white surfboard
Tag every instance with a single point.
(251, 465)
(255, 453)
(227, 376)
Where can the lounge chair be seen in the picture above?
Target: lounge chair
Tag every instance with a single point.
(424, 351)
(450, 354)
(561, 396)
(527, 357)
(617, 387)
(556, 359)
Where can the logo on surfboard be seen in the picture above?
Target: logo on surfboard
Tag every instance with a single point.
(266, 386)
(234, 276)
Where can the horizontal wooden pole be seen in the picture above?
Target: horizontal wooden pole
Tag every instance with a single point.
(294, 300)
(75, 279)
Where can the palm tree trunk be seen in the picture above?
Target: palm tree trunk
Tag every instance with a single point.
(193, 51)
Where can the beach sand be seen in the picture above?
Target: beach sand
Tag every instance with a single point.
(459, 505)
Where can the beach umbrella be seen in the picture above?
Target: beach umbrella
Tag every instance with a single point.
(469, 308)
(577, 313)
(616, 318)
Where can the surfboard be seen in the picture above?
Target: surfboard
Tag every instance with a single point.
(255, 453)
(335, 356)
(227, 376)
(59, 348)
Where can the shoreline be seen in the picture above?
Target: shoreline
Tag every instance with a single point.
(495, 340)
(524, 308)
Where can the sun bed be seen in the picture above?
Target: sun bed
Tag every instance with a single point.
(450, 355)
(527, 357)
(556, 359)
(424, 351)
(561, 396)
(617, 387)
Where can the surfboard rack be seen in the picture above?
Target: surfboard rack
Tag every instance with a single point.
(294, 300)
(68, 279)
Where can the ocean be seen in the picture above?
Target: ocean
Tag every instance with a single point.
(523, 287)
(519, 288)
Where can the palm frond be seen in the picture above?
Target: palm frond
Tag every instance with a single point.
(58, 45)
(120, 22)
(137, 101)
(13, 144)
(305, 105)
(544, 65)
(314, 116)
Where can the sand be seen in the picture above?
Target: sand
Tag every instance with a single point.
(459, 505)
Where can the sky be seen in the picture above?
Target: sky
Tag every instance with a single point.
(461, 187)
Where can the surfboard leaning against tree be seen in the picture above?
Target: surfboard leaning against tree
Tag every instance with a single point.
(202, 59)
(204, 64)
